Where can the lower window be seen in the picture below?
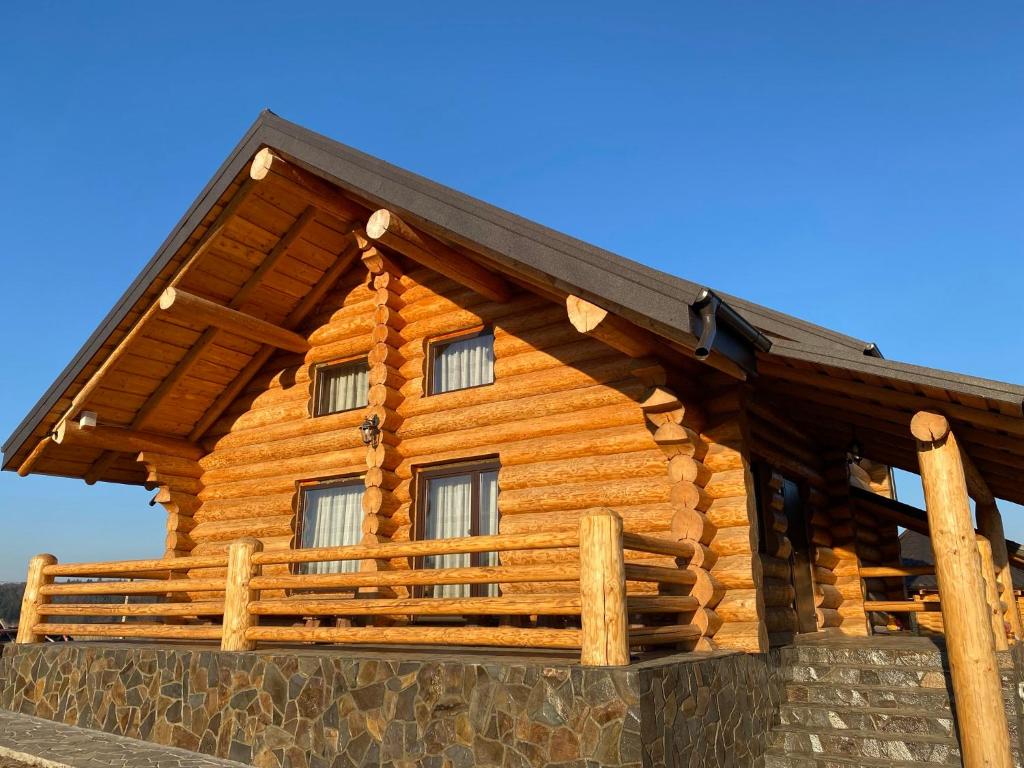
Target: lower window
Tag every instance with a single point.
(458, 500)
(331, 515)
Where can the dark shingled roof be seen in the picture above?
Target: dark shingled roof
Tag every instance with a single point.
(645, 296)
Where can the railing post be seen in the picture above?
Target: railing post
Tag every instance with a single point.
(238, 595)
(32, 598)
(603, 590)
(995, 606)
(977, 688)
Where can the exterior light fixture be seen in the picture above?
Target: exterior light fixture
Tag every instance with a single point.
(855, 451)
(369, 431)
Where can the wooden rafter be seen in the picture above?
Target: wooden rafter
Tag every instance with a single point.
(385, 227)
(212, 233)
(208, 338)
(270, 167)
(123, 440)
(895, 398)
(295, 318)
(190, 308)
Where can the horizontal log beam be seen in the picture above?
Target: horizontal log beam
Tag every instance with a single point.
(422, 548)
(30, 461)
(389, 230)
(198, 608)
(508, 637)
(611, 329)
(190, 308)
(155, 631)
(269, 166)
(124, 440)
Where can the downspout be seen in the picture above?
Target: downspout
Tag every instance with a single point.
(714, 310)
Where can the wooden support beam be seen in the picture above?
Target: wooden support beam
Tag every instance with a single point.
(293, 320)
(190, 308)
(239, 594)
(269, 166)
(124, 440)
(37, 453)
(992, 601)
(386, 228)
(612, 330)
(603, 590)
(977, 687)
(33, 598)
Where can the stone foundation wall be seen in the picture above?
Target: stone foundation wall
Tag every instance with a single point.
(326, 708)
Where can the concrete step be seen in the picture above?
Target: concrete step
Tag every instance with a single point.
(907, 722)
(867, 674)
(803, 742)
(776, 758)
(933, 700)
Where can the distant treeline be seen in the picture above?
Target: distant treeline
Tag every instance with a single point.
(10, 602)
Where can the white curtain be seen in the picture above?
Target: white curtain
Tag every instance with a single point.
(332, 517)
(463, 364)
(450, 511)
(342, 387)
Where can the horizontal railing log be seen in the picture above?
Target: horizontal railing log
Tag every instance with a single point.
(883, 572)
(511, 637)
(901, 606)
(422, 577)
(423, 548)
(197, 608)
(154, 631)
(157, 587)
(229, 607)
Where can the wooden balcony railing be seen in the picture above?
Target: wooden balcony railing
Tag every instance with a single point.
(247, 603)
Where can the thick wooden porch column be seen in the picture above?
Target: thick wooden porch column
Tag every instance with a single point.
(977, 688)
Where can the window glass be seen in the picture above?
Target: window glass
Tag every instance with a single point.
(461, 503)
(463, 363)
(332, 516)
(342, 387)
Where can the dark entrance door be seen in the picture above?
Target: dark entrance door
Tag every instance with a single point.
(800, 560)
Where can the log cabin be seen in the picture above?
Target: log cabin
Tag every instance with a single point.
(379, 412)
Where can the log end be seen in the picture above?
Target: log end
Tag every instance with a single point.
(378, 223)
(167, 298)
(261, 164)
(929, 427)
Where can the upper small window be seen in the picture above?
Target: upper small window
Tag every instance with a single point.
(341, 387)
(461, 363)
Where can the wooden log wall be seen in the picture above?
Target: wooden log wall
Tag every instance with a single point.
(878, 541)
(787, 453)
(178, 482)
(675, 427)
(845, 545)
(740, 567)
(385, 361)
(566, 418)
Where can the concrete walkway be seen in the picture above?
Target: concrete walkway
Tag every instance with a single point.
(30, 741)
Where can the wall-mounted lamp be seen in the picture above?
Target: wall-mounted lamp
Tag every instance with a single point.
(855, 451)
(369, 431)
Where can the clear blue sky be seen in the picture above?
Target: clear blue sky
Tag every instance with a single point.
(857, 164)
